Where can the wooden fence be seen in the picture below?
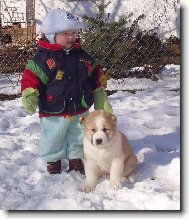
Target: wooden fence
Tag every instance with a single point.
(17, 35)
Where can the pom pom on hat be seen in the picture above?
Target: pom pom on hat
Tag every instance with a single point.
(59, 20)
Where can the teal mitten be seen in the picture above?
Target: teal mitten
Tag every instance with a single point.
(30, 99)
(101, 100)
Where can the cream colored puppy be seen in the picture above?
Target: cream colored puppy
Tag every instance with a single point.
(106, 150)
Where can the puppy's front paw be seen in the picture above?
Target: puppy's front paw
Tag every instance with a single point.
(88, 188)
(115, 185)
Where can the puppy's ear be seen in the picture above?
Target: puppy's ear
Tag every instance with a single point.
(114, 118)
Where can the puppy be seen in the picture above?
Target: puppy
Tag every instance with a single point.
(106, 151)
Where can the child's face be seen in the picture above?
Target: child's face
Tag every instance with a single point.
(66, 39)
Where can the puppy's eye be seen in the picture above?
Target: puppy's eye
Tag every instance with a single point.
(93, 130)
(105, 130)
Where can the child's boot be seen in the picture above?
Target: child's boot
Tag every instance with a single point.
(54, 167)
(77, 165)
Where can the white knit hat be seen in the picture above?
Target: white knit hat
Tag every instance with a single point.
(59, 20)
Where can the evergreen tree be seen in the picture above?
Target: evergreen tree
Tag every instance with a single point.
(121, 45)
(108, 41)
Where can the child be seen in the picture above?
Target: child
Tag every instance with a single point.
(64, 81)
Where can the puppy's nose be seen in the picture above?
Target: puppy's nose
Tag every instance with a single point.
(99, 141)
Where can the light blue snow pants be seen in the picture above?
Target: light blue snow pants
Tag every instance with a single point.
(61, 138)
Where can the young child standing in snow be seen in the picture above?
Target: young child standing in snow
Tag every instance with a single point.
(63, 81)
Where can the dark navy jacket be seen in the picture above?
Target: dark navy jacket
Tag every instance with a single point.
(67, 79)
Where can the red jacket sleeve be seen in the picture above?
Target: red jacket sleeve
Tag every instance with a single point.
(29, 79)
(97, 78)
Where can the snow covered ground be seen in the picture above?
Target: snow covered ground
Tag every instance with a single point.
(151, 120)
